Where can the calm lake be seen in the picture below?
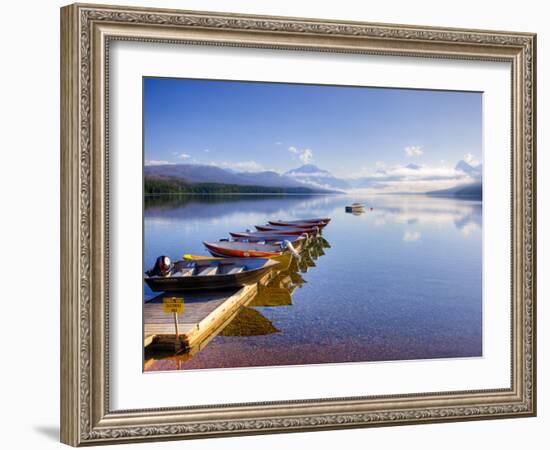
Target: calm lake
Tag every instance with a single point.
(401, 281)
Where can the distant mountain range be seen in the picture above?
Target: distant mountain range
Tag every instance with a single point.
(305, 179)
(471, 190)
(196, 174)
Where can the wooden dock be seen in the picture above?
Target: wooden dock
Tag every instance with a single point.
(204, 316)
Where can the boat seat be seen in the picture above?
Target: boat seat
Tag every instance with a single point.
(185, 272)
(206, 271)
(234, 270)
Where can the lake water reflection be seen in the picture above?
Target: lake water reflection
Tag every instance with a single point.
(401, 281)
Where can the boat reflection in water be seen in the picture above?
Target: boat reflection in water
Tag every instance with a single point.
(249, 321)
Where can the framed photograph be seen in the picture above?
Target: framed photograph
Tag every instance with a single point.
(276, 224)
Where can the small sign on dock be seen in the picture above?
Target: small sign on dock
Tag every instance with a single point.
(173, 305)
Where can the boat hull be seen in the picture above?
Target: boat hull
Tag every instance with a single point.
(243, 251)
(287, 230)
(261, 235)
(355, 209)
(316, 220)
(298, 224)
(268, 238)
(284, 260)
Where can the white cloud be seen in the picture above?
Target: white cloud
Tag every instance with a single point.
(206, 150)
(410, 178)
(304, 154)
(413, 150)
(422, 172)
(183, 156)
(157, 162)
(278, 143)
(471, 159)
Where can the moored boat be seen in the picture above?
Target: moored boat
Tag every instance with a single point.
(283, 259)
(232, 249)
(268, 238)
(210, 274)
(355, 207)
(268, 234)
(299, 223)
(296, 224)
(287, 230)
(316, 220)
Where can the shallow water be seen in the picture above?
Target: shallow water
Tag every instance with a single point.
(401, 281)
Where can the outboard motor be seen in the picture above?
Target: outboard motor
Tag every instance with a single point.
(162, 267)
(288, 245)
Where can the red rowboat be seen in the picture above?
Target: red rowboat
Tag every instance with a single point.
(269, 235)
(243, 249)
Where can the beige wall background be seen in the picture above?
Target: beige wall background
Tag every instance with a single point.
(29, 221)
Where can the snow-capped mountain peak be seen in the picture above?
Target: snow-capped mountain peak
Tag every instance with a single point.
(313, 175)
(474, 171)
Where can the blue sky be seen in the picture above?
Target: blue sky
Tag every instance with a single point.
(350, 131)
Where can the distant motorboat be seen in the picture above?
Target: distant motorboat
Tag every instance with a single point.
(355, 207)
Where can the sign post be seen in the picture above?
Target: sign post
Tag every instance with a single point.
(174, 305)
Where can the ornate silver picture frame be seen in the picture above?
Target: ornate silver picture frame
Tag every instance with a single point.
(87, 31)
